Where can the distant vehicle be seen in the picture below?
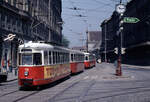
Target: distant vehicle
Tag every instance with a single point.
(89, 60)
(41, 63)
(76, 61)
(99, 60)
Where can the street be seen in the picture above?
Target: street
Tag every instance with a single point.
(98, 84)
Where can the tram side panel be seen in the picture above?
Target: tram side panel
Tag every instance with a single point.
(76, 67)
(76, 61)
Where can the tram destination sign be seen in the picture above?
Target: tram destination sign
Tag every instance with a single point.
(130, 20)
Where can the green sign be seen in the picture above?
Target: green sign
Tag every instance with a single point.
(130, 20)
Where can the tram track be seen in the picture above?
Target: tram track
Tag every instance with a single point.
(9, 93)
(80, 97)
(85, 91)
(18, 92)
(26, 96)
(61, 92)
(7, 85)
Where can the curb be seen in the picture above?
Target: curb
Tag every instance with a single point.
(134, 66)
(11, 80)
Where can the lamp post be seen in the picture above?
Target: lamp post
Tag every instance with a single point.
(105, 42)
(120, 8)
(87, 41)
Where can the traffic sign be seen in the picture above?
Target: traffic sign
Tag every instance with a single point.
(10, 37)
(122, 50)
(116, 50)
(130, 20)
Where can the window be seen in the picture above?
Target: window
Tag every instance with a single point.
(45, 58)
(54, 58)
(37, 59)
(58, 57)
(86, 57)
(26, 59)
(71, 57)
(50, 58)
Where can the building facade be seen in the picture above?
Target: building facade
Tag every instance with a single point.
(28, 20)
(136, 36)
(109, 38)
(94, 42)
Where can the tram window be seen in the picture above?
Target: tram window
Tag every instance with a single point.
(68, 57)
(26, 59)
(53, 57)
(63, 58)
(37, 59)
(19, 59)
(58, 57)
(50, 61)
(45, 58)
(86, 57)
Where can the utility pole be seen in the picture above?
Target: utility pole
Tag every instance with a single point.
(120, 8)
(87, 41)
(105, 42)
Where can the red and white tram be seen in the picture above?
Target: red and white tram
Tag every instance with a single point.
(41, 63)
(89, 60)
(76, 61)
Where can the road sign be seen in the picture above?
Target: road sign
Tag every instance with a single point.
(130, 20)
(10, 37)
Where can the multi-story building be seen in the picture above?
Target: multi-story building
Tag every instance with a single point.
(94, 42)
(94, 39)
(135, 36)
(109, 38)
(28, 20)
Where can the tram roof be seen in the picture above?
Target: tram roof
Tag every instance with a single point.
(42, 46)
(36, 45)
(76, 51)
(86, 53)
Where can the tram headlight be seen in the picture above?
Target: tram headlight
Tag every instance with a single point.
(26, 73)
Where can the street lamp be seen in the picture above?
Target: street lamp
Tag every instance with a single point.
(120, 8)
(105, 42)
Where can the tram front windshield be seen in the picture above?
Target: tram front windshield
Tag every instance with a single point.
(26, 59)
(31, 59)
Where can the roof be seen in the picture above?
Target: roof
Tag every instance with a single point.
(36, 45)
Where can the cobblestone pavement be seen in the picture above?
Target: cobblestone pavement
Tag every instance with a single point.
(98, 84)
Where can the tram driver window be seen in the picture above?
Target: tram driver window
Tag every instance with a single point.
(37, 60)
(26, 59)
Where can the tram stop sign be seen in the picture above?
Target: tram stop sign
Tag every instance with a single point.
(130, 20)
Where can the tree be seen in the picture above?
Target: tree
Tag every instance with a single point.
(65, 41)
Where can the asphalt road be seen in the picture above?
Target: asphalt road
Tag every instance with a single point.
(98, 84)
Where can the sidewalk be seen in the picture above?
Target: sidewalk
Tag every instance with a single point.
(136, 66)
(108, 71)
(12, 76)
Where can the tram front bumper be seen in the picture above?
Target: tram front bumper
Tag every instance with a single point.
(26, 82)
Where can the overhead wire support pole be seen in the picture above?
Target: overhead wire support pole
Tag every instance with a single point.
(105, 42)
(120, 8)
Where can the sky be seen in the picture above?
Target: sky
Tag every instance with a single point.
(89, 17)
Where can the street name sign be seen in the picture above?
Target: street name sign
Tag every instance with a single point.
(130, 20)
